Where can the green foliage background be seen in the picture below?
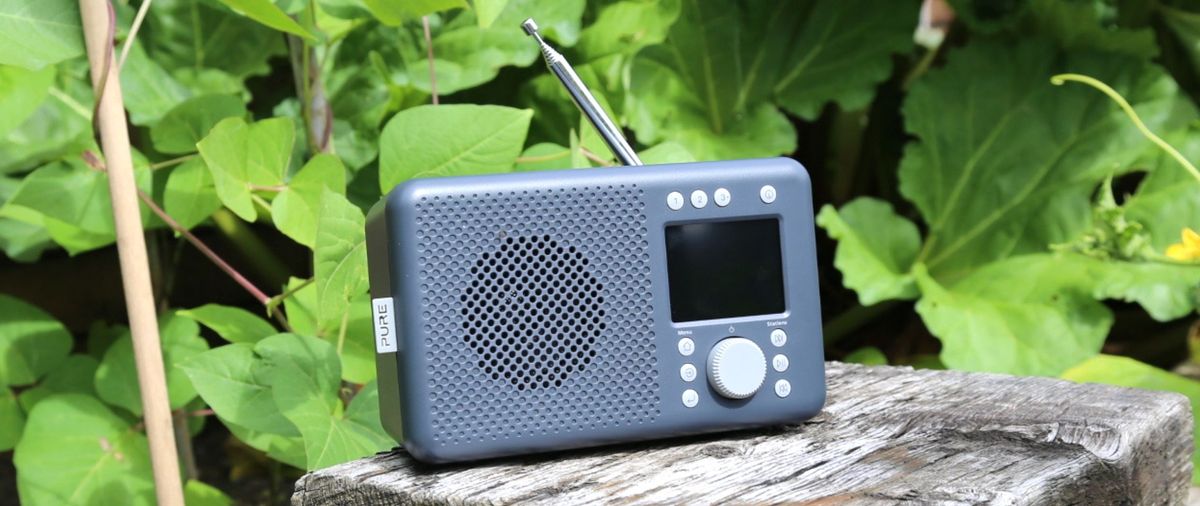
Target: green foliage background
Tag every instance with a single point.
(1003, 218)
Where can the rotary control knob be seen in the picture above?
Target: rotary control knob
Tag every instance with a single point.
(736, 367)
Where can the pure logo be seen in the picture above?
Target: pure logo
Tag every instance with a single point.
(385, 325)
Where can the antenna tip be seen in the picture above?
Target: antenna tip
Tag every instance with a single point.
(530, 26)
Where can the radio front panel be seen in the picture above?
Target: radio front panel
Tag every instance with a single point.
(550, 310)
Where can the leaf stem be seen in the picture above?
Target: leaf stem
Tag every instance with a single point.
(1059, 79)
(174, 161)
(429, 53)
(594, 157)
(204, 249)
(278, 299)
(342, 332)
(543, 158)
(71, 103)
(133, 31)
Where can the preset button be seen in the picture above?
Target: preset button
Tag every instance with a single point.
(675, 201)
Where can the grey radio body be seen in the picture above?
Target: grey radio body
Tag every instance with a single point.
(532, 311)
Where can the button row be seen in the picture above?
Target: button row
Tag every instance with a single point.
(721, 197)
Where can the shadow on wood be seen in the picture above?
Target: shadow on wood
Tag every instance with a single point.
(887, 434)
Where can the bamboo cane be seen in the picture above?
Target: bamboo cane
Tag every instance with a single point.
(131, 247)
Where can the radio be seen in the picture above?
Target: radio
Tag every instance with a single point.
(538, 311)
(549, 310)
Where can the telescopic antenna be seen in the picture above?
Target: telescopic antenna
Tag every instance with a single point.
(583, 98)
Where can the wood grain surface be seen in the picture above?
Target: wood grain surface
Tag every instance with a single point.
(887, 435)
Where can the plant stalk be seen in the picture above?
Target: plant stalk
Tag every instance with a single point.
(98, 28)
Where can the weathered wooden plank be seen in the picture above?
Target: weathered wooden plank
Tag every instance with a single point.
(888, 434)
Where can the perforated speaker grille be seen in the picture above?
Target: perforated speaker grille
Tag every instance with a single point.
(536, 312)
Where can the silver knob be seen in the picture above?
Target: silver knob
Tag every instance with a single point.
(736, 367)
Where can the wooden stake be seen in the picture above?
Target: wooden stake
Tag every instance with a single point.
(131, 247)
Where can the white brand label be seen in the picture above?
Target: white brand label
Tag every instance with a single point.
(385, 325)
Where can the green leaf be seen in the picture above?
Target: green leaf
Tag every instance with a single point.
(486, 11)
(876, 249)
(625, 27)
(68, 192)
(664, 108)
(36, 33)
(22, 236)
(667, 152)
(544, 156)
(448, 140)
(1127, 372)
(241, 155)
(831, 61)
(74, 375)
(60, 125)
(301, 307)
(295, 209)
(101, 336)
(466, 55)
(867, 355)
(1168, 200)
(190, 196)
(72, 202)
(357, 347)
(116, 378)
(76, 451)
(12, 420)
(715, 82)
(233, 324)
(339, 260)
(198, 493)
(305, 379)
(199, 34)
(183, 126)
(148, 89)
(990, 120)
(268, 14)
(396, 12)
(286, 449)
(21, 92)
(31, 342)
(224, 377)
(1041, 325)
(1165, 290)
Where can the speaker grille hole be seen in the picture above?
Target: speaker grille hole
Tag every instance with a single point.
(533, 312)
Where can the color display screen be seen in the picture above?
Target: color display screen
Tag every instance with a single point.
(724, 269)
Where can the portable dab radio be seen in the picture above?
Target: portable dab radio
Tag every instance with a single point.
(538, 311)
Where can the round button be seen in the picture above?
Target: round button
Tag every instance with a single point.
(699, 199)
(687, 347)
(690, 398)
(779, 362)
(767, 194)
(736, 367)
(721, 197)
(783, 388)
(675, 201)
(687, 372)
(778, 337)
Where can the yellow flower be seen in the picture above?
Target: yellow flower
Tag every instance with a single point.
(1187, 250)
